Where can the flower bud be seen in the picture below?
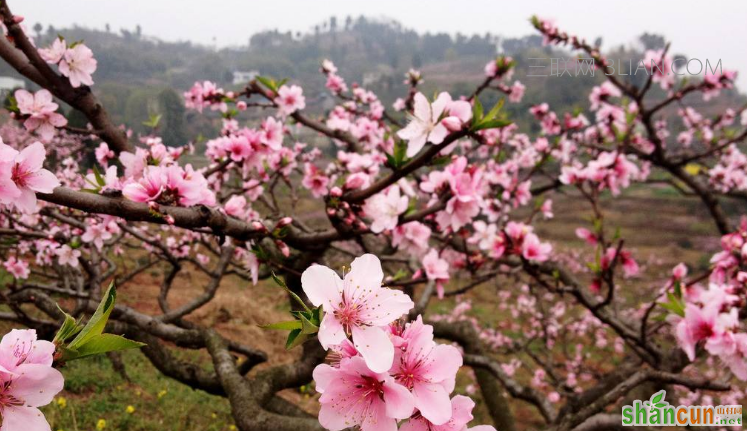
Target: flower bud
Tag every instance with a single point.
(452, 124)
(285, 221)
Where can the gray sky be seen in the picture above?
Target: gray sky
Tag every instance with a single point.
(715, 29)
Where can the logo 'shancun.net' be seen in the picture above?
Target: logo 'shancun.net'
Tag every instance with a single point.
(656, 411)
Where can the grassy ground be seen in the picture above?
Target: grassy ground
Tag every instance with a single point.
(97, 398)
(660, 228)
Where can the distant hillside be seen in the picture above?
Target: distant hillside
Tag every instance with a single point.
(139, 75)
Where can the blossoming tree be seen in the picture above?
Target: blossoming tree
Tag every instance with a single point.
(428, 203)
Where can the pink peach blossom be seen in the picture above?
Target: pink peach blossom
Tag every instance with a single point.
(357, 306)
(354, 395)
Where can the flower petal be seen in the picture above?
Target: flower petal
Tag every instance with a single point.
(399, 401)
(331, 332)
(36, 384)
(375, 347)
(31, 158)
(42, 181)
(24, 418)
(365, 271)
(322, 286)
(433, 402)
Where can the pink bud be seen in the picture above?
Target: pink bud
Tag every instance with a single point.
(258, 226)
(241, 106)
(679, 272)
(285, 221)
(452, 124)
(355, 181)
(330, 212)
(169, 220)
(283, 247)
(335, 192)
(18, 19)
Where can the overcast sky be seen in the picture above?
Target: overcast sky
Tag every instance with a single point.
(716, 29)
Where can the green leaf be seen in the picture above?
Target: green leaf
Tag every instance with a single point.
(284, 326)
(660, 404)
(477, 111)
(400, 152)
(496, 109)
(268, 82)
(69, 328)
(316, 315)
(657, 397)
(295, 338)
(674, 305)
(99, 179)
(100, 344)
(391, 160)
(153, 121)
(308, 328)
(290, 292)
(491, 124)
(401, 273)
(97, 323)
(678, 289)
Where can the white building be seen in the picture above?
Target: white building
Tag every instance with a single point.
(7, 83)
(241, 77)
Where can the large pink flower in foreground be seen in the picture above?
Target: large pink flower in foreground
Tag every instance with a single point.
(353, 395)
(26, 175)
(357, 306)
(28, 381)
(428, 370)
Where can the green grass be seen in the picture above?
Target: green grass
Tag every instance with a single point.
(94, 391)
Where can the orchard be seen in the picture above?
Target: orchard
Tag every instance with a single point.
(426, 201)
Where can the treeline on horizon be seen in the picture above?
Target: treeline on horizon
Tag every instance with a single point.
(140, 76)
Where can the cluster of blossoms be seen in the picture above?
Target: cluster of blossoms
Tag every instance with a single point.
(74, 61)
(335, 83)
(153, 176)
(730, 173)
(711, 317)
(206, 95)
(28, 380)
(502, 68)
(382, 372)
(517, 238)
(39, 113)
